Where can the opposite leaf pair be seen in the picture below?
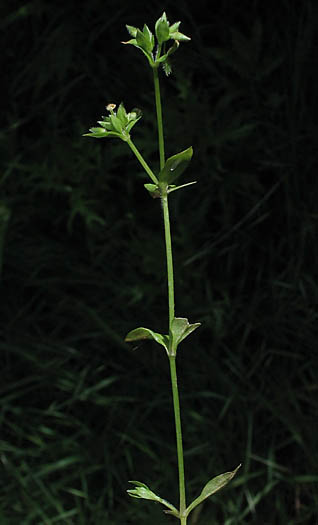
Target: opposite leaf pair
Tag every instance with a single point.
(180, 329)
(214, 485)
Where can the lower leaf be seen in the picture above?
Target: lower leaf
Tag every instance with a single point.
(142, 491)
(213, 486)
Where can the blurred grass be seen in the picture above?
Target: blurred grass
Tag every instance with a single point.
(83, 263)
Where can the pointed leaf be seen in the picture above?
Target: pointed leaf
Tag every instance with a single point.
(149, 38)
(162, 29)
(132, 30)
(122, 114)
(116, 123)
(133, 42)
(100, 133)
(145, 333)
(170, 51)
(144, 40)
(179, 36)
(143, 491)
(132, 123)
(175, 166)
(214, 485)
(180, 329)
(175, 188)
(174, 27)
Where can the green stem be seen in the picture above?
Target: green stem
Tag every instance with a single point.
(172, 358)
(142, 161)
(166, 219)
(177, 418)
(159, 118)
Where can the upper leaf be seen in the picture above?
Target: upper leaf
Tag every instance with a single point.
(162, 29)
(175, 166)
(132, 30)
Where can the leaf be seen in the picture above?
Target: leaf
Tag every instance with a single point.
(162, 29)
(122, 115)
(101, 133)
(142, 491)
(153, 190)
(180, 329)
(116, 123)
(132, 30)
(179, 36)
(175, 188)
(170, 51)
(146, 333)
(175, 166)
(132, 123)
(144, 39)
(149, 38)
(174, 27)
(213, 486)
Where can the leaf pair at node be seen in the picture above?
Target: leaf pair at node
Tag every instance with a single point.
(180, 329)
(173, 168)
(142, 491)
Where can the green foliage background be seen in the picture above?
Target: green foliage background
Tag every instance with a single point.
(82, 263)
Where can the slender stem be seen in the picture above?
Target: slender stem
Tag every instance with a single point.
(159, 118)
(142, 161)
(166, 219)
(177, 418)
(172, 357)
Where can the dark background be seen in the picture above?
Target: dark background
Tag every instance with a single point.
(82, 263)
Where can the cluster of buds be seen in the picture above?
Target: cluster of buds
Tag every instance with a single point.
(145, 41)
(116, 124)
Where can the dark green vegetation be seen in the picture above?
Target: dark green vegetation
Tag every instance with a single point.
(82, 261)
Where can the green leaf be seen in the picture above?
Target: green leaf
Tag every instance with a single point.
(100, 133)
(122, 115)
(133, 42)
(175, 188)
(214, 485)
(162, 29)
(116, 123)
(105, 124)
(132, 30)
(170, 51)
(143, 41)
(180, 329)
(142, 491)
(174, 27)
(149, 38)
(153, 190)
(179, 36)
(175, 166)
(145, 333)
